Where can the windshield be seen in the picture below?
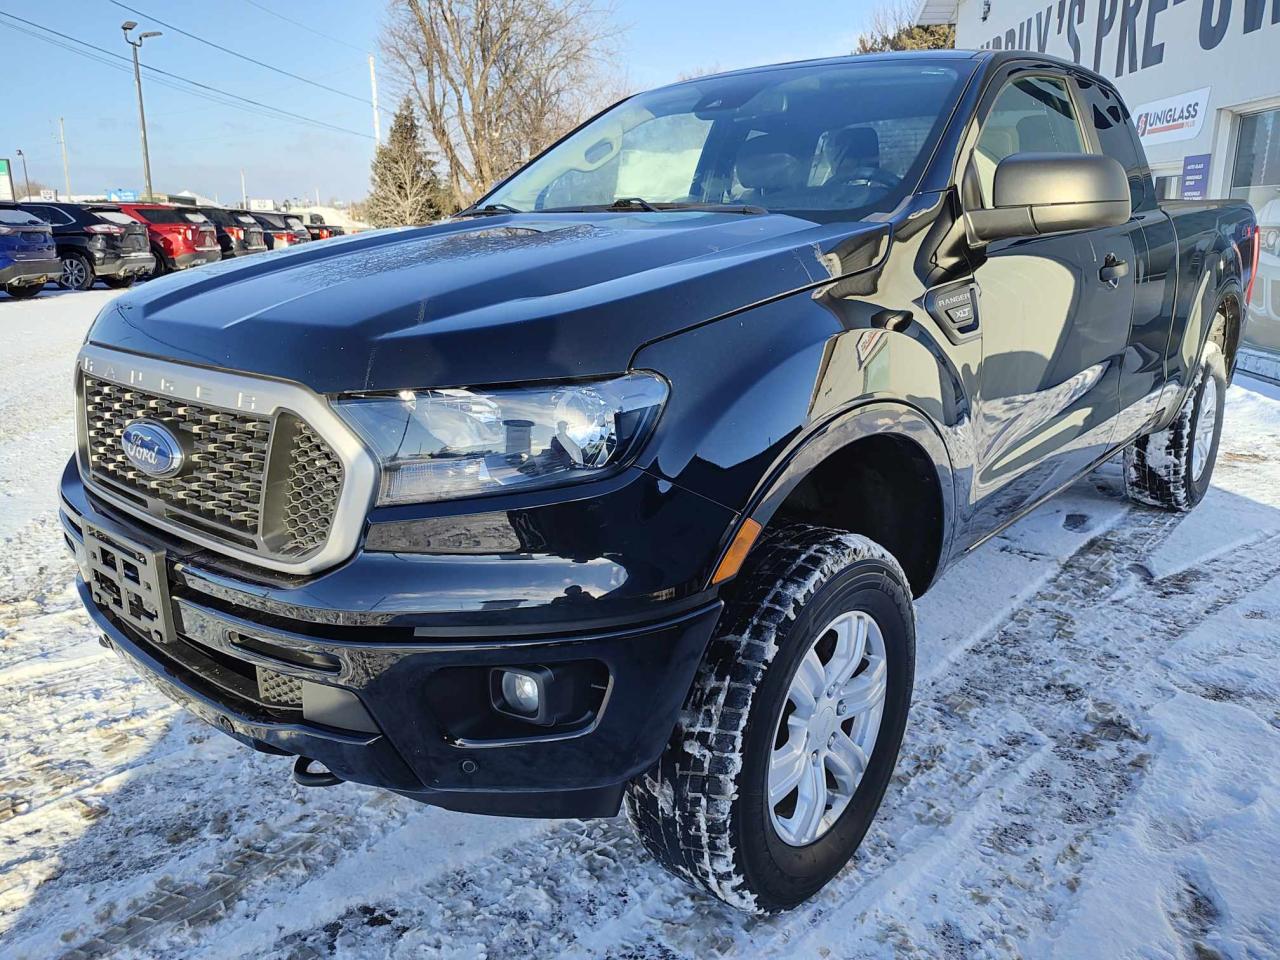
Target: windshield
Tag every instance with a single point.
(824, 141)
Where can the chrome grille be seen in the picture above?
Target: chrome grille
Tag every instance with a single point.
(229, 453)
(313, 485)
(269, 484)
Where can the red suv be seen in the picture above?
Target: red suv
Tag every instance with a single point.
(180, 238)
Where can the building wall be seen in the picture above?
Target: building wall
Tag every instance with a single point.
(1211, 59)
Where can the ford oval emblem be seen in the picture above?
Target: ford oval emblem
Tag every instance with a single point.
(152, 448)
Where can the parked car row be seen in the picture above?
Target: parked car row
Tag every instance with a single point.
(77, 244)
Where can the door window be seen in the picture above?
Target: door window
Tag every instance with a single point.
(1119, 141)
(1030, 115)
(53, 215)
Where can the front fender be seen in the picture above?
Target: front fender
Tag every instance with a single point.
(760, 398)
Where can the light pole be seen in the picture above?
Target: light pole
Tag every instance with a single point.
(25, 178)
(137, 81)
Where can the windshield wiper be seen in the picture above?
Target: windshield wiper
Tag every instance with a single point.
(658, 206)
(488, 210)
(746, 208)
(632, 203)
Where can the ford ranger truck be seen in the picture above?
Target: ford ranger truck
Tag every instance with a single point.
(615, 489)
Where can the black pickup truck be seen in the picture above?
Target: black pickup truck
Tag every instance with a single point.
(616, 488)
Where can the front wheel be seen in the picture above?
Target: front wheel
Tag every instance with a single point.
(1171, 468)
(787, 742)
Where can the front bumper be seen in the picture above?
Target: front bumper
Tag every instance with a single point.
(23, 272)
(401, 706)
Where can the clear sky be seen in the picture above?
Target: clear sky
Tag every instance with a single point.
(201, 145)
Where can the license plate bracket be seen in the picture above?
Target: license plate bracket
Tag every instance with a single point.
(129, 580)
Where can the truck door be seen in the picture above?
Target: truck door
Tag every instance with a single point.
(1053, 316)
(1142, 372)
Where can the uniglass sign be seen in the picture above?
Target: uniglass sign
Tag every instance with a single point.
(1179, 117)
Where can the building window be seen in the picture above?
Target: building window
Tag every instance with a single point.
(1255, 176)
(1169, 188)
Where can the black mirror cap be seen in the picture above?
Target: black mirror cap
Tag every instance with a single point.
(1043, 193)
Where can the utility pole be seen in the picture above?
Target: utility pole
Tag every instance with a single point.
(66, 168)
(25, 178)
(373, 90)
(244, 194)
(137, 81)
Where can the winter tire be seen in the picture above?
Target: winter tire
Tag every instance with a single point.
(789, 737)
(1171, 468)
(77, 273)
(24, 293)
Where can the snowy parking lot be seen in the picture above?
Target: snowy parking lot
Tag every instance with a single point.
(1092, 767)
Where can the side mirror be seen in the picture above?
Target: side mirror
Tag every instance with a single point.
(1042, 193)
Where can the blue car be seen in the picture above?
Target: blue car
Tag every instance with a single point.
(28, 257)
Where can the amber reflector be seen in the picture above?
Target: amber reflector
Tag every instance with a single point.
(737, 552)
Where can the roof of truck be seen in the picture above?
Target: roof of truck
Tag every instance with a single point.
(994, 57)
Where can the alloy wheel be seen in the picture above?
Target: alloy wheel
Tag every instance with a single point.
(73, 273)
(1206, 421)
(827, 729)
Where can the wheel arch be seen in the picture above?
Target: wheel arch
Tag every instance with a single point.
(881, 470)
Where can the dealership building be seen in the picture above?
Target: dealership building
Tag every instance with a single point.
(1202, 80)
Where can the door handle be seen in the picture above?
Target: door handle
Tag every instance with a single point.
(1112, 270)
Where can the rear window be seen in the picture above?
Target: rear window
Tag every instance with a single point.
(20, 218)
(114, 216)
(294, 222)
(272, 220)
(224, 218)
(165, 215)
(245, 218)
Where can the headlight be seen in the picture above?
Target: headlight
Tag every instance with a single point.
(447, 444)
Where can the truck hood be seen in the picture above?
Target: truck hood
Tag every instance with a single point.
(479, 301)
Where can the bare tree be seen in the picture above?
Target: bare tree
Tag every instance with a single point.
(496, 81)
(893, 27)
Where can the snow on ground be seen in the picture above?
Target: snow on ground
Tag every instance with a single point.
(1092, 766)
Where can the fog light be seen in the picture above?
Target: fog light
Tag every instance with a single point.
(521, 691)
(541, 695)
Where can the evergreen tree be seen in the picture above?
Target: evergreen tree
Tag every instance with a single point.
(404, 187)
(894, 27)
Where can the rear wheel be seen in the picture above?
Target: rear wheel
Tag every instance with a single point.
(77, 273)
(120, 283)
(24, 292)
(788, 739)
(161, 268)
(1171, 468)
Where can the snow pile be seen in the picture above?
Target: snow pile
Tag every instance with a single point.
(1091, 767)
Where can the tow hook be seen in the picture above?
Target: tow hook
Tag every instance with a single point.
(306, 777)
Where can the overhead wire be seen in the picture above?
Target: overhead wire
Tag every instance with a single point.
(298, 23)
(242, 56)
(166, 78)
